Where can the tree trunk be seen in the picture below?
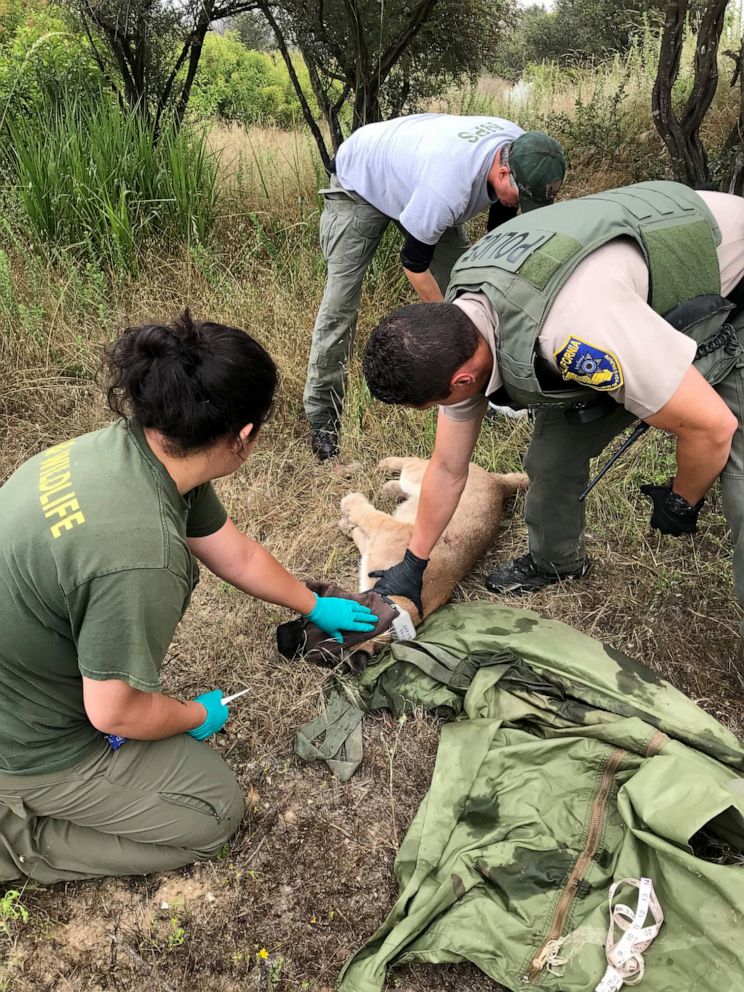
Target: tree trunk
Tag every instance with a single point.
(366, 103)
(329, 107)
(307, 113)
(681, 134)
(735, 140)
(352, 66)
(197, 45)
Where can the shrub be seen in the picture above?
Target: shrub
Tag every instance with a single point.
(237, 85)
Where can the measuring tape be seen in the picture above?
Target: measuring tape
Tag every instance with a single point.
(625, 961)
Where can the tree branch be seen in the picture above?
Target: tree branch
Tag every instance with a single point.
(103, 68)
(233, 9)
(263, 6)
(194, 57)
(706, 66)
(165, 95)
(389, 58)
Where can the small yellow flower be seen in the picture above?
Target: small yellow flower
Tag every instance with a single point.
(263, 954)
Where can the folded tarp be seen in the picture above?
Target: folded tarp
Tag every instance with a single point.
(568, 766)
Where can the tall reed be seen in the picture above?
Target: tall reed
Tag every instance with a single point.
(91, 180)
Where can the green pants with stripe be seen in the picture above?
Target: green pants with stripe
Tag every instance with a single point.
(350, 232)
(558, 463)
(150, 806)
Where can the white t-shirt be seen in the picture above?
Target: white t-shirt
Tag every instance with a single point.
(427, 171)
(603, 306)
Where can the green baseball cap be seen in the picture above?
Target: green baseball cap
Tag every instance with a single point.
(538, 166)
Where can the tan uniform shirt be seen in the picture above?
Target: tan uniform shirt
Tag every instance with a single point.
(602, 310)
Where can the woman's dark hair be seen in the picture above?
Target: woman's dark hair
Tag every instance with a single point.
(412, 355)
(193, 381)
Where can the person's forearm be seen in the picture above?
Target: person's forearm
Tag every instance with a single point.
(260, 575)
(440, 494)
(700, 460)
(238, 559)
(704, 427)
(425, 286)
(151, 716)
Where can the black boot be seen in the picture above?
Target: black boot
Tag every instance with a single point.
(522, 575)
(324, 442)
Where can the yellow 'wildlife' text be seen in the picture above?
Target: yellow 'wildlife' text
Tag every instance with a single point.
(56, 494)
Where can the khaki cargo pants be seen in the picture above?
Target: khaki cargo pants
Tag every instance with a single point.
(557, 463)
(150, 806)
(350, 231)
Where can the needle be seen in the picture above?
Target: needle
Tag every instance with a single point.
(235, 695)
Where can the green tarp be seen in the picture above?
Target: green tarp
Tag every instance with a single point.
(567, 766)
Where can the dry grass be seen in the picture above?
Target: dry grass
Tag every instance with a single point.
(309, 875)
(268, 169)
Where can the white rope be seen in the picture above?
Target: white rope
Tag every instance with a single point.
(625, 964)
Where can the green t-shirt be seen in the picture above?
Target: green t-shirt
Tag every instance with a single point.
(95, 574)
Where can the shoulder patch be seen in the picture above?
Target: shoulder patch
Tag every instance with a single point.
(590, 366)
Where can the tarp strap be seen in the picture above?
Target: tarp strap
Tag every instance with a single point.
(334, 737)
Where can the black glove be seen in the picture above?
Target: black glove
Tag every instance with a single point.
(403, 579)
(672, 514)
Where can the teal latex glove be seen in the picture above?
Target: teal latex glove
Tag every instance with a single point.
(335, 615)
(217, 715)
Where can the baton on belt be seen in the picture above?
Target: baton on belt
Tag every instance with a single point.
(629, 441)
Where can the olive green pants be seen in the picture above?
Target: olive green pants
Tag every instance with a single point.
(350, 232)
(557, 463)
(150, 806)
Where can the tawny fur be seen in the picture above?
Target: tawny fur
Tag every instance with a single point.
(382, 538)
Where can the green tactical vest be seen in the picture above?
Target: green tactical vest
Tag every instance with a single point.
(523, 264)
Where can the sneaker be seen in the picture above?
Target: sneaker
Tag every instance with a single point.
(522, 575)
(324, 443)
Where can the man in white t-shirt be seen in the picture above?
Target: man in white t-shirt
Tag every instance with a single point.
(600, 332)
(429, 173)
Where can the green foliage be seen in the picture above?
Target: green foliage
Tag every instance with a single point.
(12, 911)
(151, 52)
(576, 31)
(237, 85)
(41, 58)
(142, 44)
(176, 934)
(272, 967)
(458, 41)
(602, 113)
(8, 308)
(253, 31)
(90, 181)
(44, 57)
(12, 15)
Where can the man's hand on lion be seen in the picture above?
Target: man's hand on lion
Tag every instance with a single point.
(404, 579)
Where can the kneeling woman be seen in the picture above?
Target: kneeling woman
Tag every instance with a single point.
(97, 538)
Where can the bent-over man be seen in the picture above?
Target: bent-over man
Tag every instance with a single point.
(429, 173)
(622, 305)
